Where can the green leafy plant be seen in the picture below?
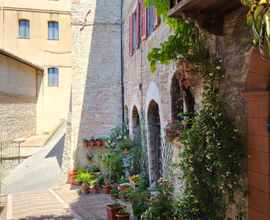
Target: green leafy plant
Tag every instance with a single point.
(94, 183)
(259, 18)
(162, 204)
(95, 168)
(211, 159)
(114, 191)
(123, 179)
(126, 143)
(99, 139)
(123, 211)
(85, 140)
(77, 178)
(85, 177)
(92, 139)
(117, 134)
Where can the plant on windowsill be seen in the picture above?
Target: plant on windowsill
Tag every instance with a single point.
(99, 142)
(92, 142)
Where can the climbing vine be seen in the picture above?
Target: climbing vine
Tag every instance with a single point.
(211, 159)
(167, 165)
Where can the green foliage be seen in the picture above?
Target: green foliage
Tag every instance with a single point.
(95, 168)
(114, 191)
(259, 18)
(211, 158)
(85, 177)
(123, 211)
(161, 205)
(92, 139)
(117, 134)
(126, 143)
(123, 179)
(95, 183)
(178, 44)
(99, 139)
(85, 140)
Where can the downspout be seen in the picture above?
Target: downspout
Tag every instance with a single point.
(2, 46)
(122, 65)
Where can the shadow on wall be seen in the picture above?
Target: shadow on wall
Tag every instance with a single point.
(101, 105)
(58, 150)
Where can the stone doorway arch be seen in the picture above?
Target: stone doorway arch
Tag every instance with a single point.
(154, 143)
(136, 128)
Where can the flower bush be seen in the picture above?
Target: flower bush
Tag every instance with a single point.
(135, 178)
(172, 129)
(117, 134)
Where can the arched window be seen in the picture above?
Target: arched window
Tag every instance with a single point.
(53, 77)
(24, 29)
(53, 30)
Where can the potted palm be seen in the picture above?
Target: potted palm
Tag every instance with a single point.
(99, 142)
(92, 142)
(123, 214)
(95, 185)
(85, 142)
(113, 209)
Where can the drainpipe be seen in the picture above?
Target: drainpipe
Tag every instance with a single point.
(122, 67)
(2, 24)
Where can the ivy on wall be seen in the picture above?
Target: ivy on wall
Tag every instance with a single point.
(167, 165)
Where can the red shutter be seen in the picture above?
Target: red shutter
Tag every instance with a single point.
(157, 20)
(144, 22)
(131, 35)
(138, 25)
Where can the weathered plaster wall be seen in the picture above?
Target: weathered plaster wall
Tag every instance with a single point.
(96, 75)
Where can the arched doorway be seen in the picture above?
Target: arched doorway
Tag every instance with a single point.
(136, 129)
(154, 143)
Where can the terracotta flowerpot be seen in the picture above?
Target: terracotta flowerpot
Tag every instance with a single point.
(126, 150)
(95, 190)
(77, 183)
(85, 144)
(96, 173)
(99, 143)
(71, 175)
(123, 217)
(112, 211)
(85, 190)
(107, 189)
(92, 143)
(85, 184)
(104, 144)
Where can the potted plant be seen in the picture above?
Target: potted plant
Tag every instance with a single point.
(107, 181)
(92, 142)
(85, 142)
(85, 177)
(113, 209)
(94, 184)
(99, 142)
(126, 144)
(95, 170)
(71, 175)
(89, 156)
(77, 181)
(104, 140)
(135, 181)
(114, 192)
(85, 189)
(123, 214)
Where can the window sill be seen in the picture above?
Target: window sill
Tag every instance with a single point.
(53, 39)
(53, 86)
(24, 37)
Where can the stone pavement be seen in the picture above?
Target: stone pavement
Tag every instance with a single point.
(88, 207)
(60, 203)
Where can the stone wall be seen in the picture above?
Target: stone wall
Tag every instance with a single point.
(18, 116)
(96, 74)
(234, 48)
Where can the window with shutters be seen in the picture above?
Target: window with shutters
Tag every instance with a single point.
(24, 29)
(53, 31)
(134, 30)
(53, 77)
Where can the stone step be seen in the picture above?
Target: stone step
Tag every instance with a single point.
(42, 204)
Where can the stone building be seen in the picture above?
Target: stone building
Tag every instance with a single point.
(40, 33)
(96, 77)
(20, 82)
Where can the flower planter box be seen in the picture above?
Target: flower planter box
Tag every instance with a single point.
(133, 185)
(112, 211)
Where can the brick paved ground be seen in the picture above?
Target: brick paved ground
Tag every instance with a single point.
(61, 203)
(89, 207)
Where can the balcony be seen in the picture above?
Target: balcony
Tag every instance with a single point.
(209, 14)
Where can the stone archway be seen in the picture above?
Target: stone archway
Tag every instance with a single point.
(257, 96)
(136, 129)
(154, 143)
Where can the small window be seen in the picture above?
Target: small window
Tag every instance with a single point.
(53, 30)
(24, 29)
(53, 77)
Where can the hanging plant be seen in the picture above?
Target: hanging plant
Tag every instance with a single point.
(259, 18)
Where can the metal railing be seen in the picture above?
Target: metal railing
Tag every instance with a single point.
(10, 149)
